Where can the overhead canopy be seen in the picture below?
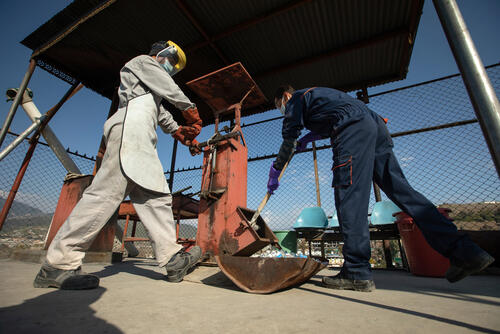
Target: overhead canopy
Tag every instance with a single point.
(344, 44)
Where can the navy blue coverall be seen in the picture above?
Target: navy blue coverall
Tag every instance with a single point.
(362, 152)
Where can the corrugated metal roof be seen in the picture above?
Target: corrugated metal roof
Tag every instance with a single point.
(346, 44)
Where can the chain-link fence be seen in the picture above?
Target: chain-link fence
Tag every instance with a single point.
(438, 142)
(31, 212)
(451, 165)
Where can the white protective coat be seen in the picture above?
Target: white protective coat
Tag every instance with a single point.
(144, 83)
(130, 167)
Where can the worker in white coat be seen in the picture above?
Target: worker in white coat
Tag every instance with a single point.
(131, 167)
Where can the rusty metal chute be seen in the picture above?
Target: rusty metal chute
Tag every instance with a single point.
(225, 232)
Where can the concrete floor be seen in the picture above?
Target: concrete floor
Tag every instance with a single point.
(135, 298)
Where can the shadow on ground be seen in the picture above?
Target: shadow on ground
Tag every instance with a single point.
(470, 289)
(134, 267)
(59, 311)
(436, 287)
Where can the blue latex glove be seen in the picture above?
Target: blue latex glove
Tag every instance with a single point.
(273, 183)
(306, 139)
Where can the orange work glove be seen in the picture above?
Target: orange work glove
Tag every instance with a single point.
(194, 149)
(185, 134)
(192, 119)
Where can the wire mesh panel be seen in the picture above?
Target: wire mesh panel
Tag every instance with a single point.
(31, 212)
(450, 165)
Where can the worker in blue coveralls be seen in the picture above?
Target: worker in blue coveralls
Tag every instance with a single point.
(362, 152)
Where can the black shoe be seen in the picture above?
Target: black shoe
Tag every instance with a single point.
(456, 272)
(181, 262)
(339, 282)
(50, 277)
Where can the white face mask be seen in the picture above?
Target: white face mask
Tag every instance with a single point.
(282, 106)
(168, 67)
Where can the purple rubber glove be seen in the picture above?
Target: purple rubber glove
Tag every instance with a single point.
(306, 139)
(273, 183)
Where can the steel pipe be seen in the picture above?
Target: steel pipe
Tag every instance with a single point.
(17, 100)
(21, 137)
(481, 93)
(172, 165)
(47, 133)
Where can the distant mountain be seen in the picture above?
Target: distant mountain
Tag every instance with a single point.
(22, 215)
(21, 209)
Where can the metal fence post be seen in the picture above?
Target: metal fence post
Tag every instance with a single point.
(172, 165)
(479, 88)
(16, 101)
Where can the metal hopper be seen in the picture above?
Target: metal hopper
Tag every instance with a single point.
(227, 234)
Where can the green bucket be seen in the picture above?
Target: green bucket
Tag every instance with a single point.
(287, 240)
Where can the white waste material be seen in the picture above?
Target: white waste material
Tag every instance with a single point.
(274, 252)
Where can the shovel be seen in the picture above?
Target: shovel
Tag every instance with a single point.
(256, 215)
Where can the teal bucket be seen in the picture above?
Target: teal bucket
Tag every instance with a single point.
(287, 240)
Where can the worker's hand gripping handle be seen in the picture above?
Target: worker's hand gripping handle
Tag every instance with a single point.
(253, 222)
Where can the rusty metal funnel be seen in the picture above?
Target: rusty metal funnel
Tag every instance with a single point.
(267, 275)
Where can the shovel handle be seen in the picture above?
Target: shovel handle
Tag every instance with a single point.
(266, 198)
(316, 177)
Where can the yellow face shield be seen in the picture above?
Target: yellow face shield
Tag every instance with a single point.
(172, 58)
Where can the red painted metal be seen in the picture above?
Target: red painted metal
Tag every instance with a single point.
(17, 182)
(267, 275)
(226, 87)
(225, 234)
(223, 190)
(223, 219)
(71, 192)
(183, 207)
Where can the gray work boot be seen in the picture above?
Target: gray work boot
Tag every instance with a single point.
(339, 282)
(456, 272)
(181, 262)
(50, 277)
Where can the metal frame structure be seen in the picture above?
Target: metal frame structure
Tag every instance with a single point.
(39, 125)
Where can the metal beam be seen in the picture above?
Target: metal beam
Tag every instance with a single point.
(335, 52)
(202, 31)
(481, 93)
(17, 182)
(17, 100)
(249, 23)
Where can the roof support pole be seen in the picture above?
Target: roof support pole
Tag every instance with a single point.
(17, 100)
(21, 137)
(481, 93)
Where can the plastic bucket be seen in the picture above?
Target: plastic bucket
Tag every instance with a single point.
(423, 260)
(287, 240)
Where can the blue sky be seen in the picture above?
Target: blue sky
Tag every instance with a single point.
(79, 123)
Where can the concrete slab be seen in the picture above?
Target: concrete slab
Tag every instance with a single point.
(135, 298)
